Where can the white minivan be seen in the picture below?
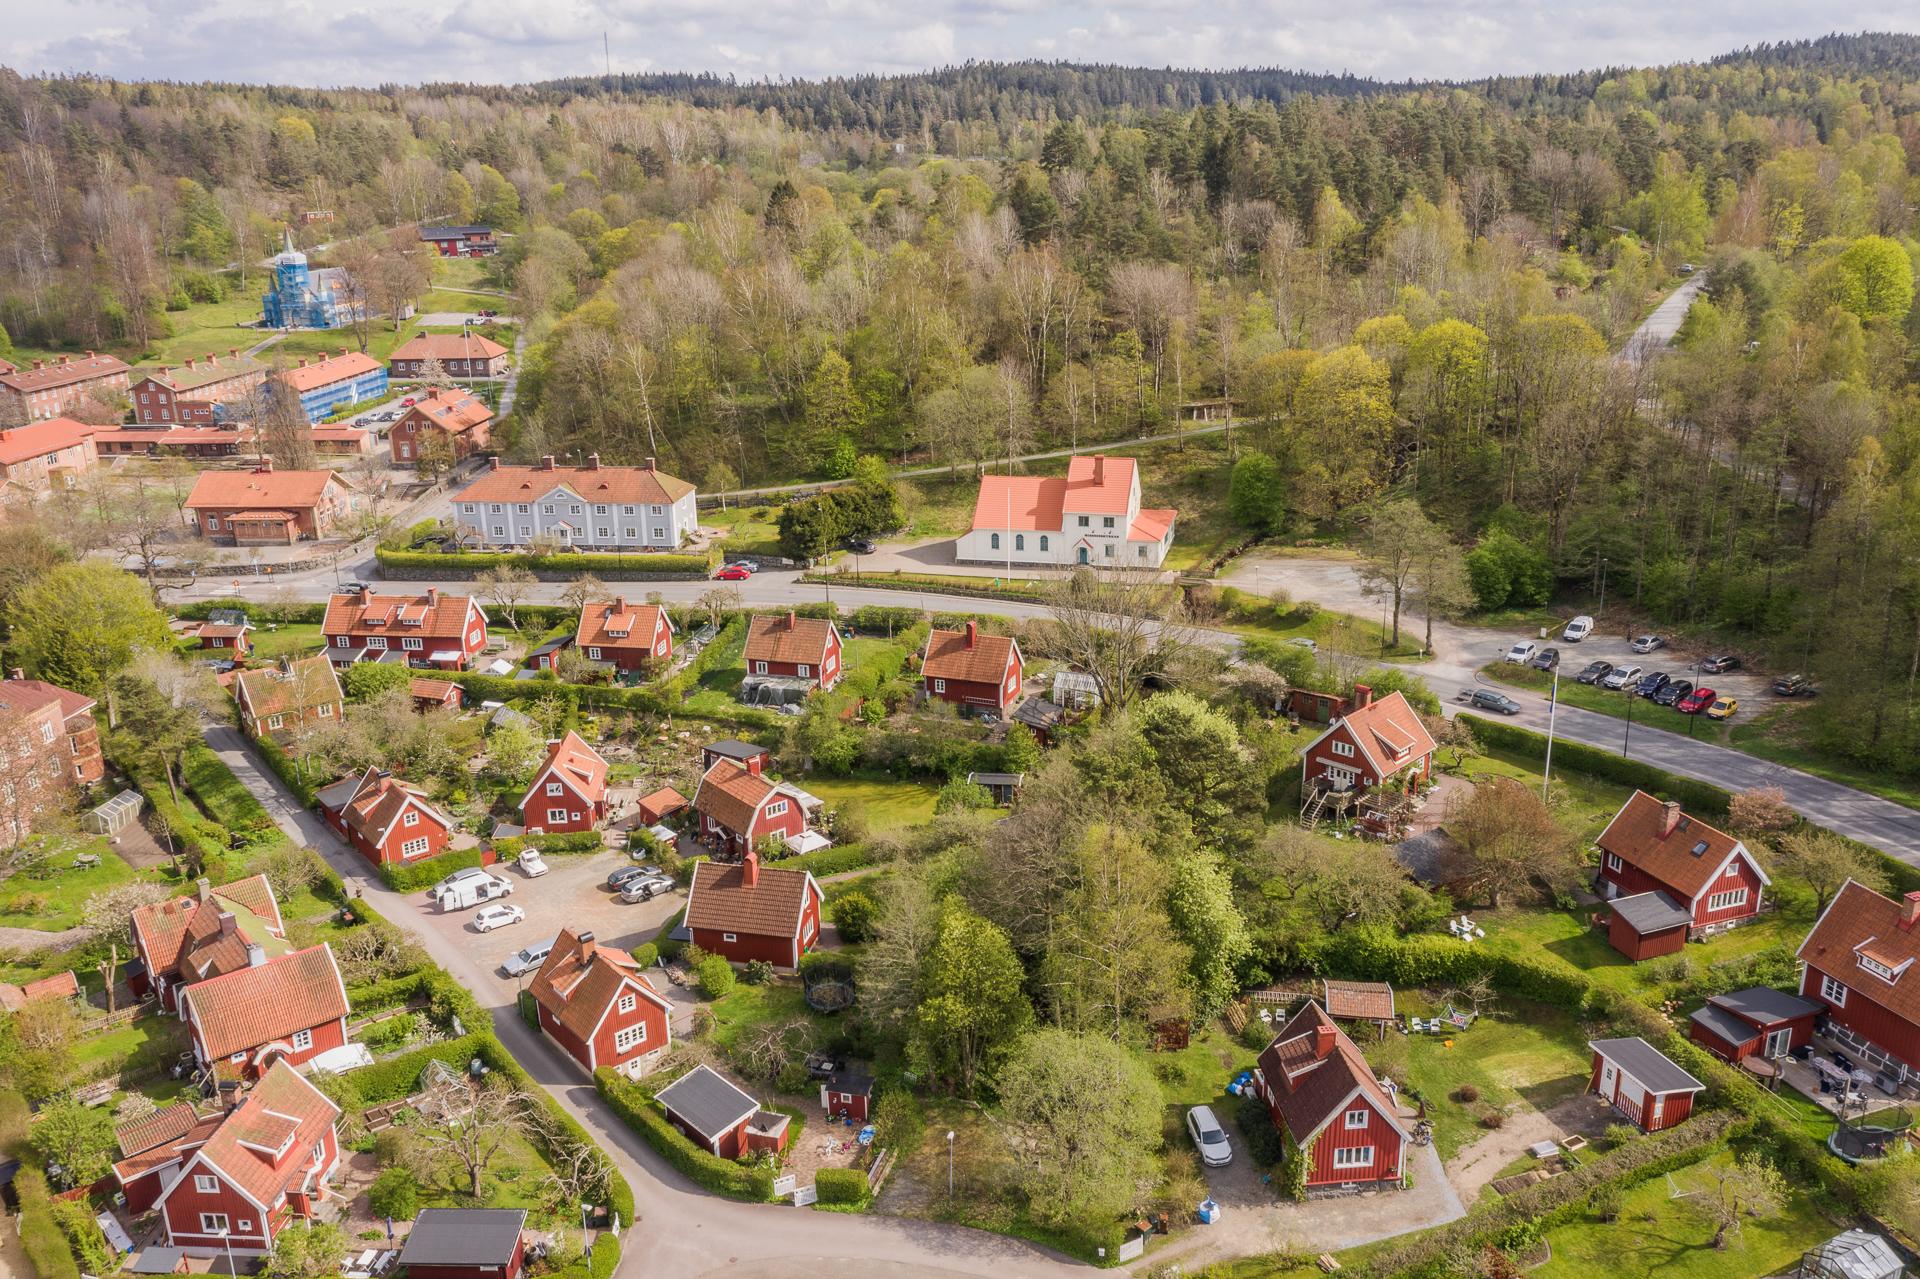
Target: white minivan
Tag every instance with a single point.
(1578, 629)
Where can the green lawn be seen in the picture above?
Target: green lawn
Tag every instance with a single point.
(751, 530)
(748, 1006)
(1610, 701)
(1342, 631)
(886, 805)
(286, 639)
(1199, 1073)
(1658, 1234)
(48, 894)
(1565, 933)
(1518, 1051)
(150, 1041)
(1583, 802)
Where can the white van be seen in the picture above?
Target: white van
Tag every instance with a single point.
(1578, 629)
(471, 892)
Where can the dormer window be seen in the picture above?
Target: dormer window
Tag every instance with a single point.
(1877, 968)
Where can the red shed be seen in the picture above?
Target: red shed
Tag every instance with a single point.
(720, 1116)
(1642, 1083)
(1648, 924)
(1758, 1020)
(847, 1094)
(466, 1243)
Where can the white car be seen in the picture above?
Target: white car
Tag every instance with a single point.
(497, 917)
(1208, 1137)
(1621, 676)
(531, 864)
(1578, 629)
(1522, 653)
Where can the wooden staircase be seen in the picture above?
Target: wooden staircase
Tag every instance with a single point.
(1315, 809)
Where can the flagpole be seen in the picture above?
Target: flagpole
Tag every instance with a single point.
(1553, 708)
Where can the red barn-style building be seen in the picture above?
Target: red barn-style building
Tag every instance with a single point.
(738, 806)
(720, 1116)
(287, 1009)
(445, 632)
(1641, 1082)
(968, 668)
(598, 1005)
(628, 637)
(466, 1243)
(747, 911)
(569, 790)
(1653, 847)
(1758, 1021)
(1860, 967)
(794, 647)
(1377, 741)
(214, 931)
(385, 819)
(267, 1163)
(1321, 1093)
(847, 1094)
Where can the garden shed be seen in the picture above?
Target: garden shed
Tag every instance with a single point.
(117, 813)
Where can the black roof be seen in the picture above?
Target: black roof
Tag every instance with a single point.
(1724, 1024)
(557, 642)
(156, 1261)
(996, 779)
(858, 1082)
(1647, 1064)
(734, 748)
(708, 1102)
(1038, 712)
(463, 1237)
(441, 232)
(1763, 1005)
(1653, 912)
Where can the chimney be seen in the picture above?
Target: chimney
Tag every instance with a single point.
(973, 633)
(1323, 1037)
(753, 765)
(493, 463)
(546, 461)
(433, 596)
(286, 665)
(587, 948)
(204, 887)
(343, 352)
(750, 869)
(165, 369)
(189, 362)
(1669, 818)
(256, 955)
(37, 364)
(1362, 696)
(227, 924)
(303, 362)
(90, 355)
(1099, 468)
(1910, 910)
(593, 461)
(212, 358)
(229, 1095)
(65, 360)
(233, 352)
(18, 672)
(792, 620)
(265, 467)
(648, 466)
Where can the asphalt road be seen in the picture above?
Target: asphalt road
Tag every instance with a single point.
(1656, 332)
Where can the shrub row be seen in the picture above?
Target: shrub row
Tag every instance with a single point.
(830, 861)
(841, 1186)
(584, 841)
(257, 613)
(619, 1192)
(634, 1104)
(40, 1234)
(605, 1257)
(897, 581)
(221, 794)
(281, 765)
(202, 840)
(410, 877)
(610, 567)
(1701, 798)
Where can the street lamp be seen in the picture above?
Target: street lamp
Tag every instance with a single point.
(1629, 734)
(226, 1237)
(949, 1163)
(1553, 708)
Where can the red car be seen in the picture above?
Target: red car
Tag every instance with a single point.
(1696, 701)
(408, 402)
(733, 573)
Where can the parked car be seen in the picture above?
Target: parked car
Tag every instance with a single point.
(1794, 686)
(733, 573)
(471, 892)
(1696, 701)
(1723, 708)
(1485, 699)
(459, 876)
(352, 587)
(1301, 641)
(644, 888)
(617, 879)
(497, 917)
(1647, 643)
(1622, 675)
(1208, 1137)
(1672, 691)
(531, 864)
(1578, 629)
(408, 403)
(527, 958)
(862, 545)
(1651, 683)
(1522, 653)
(1594, 673)
(1719, 664)
(1546, 659)
(1687, 268)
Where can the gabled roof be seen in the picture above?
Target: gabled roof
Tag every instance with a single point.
(60, 985)
(263, 1147)
(580, 978)
(1858, 918)
(631, 485)
(197, 373)
(37, 439)
(169, 1123)
(464, 1237)
(334, 368)
(172, 930)
(260, 489)
(1387, 731)
(453, 411)
(377, 802)
(1358, 1000)
(1152, 523)
(432, 615)
(253, 1007)
(1648, 1064)
(29, 695)
(1026, 503)
(62, 371)
(1686, 859)
(447, 346)
(731, 794)
(1313, 1077)
(720, 898)
(300, 685)
(572, 761)
(788, 637)
(617, 623)
(165, 1137)
(707, 1101)
(969, 654)
(430, 690)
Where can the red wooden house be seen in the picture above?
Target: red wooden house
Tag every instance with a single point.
(225, 633)
(152, 1148)
(429, 694)
(1859, 956)
(442, 631)
(746, 911)
(277, 702)
(794, 647)
(385, 819)
(720, 1116)
(1653, 847)
(288, 1009)
(1640, 1082)
(569, 790)
(738, 807)
(598, 1005)
(466, 1243)
(1324, 1097)
(183, 940)
(1758, 1021)
(267, 1162)
(629, 637)
(1379, 740)
(974, 670)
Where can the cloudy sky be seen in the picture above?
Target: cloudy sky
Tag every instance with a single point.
(334, 42)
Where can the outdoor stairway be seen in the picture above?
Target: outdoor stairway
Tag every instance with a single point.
(1310, 815)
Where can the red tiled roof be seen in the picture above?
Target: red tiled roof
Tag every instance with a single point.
(29, 695)
(1685, 859)
(442, 617)
(253, 1007)
(786, 637)
(64, 371)
(448, 346)
(617, 623)
(1026, 502)
(284, 1113)
(59, 986)
(430, 690)
(1389, 732)
(177, 1138)
(626, 484)
(1152, 523)
(731, 794)
(453, 411)
(577, 764)
(169, 1123)
(1099, 485)
(171, 930)
(579, 979)
(37, 439)
(969, 654)
(1309, 1086)
(262, 489)
(325, 372)
(1860, 921)
(306, 682)
(721, 899)
(1359, 1000)
(376, 805)
(662, 802)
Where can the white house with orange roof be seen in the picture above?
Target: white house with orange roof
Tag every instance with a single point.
(1091, 516)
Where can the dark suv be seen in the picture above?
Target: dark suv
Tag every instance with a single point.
(1794, 686)
(1672, 691)
(1594, 672)
(1651, 684)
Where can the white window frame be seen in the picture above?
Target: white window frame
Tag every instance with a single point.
(376, 641)
(729, 937)
(594, 654)
(628, 1038)
(1614, 863)
(273, 721)
(1340, 748)
(214, 1223)
(410, 818)
(759, 668)
(205, 1184)
(628, 1002)
(1352, 1157)
(415, 847)
(1834, 992)
(556, 814)
(805, 670)
(1727, 900)
(555, 788)
(1358, 1117)
(413, 643)
(302, 1040)
(777, 808)
(1877, 968)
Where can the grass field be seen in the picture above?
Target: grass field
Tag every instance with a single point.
(886, 805)
(48, 895)
(751, 530)
(1520, 1051)
(1583, 802)
(150, 1041)
(745, 1007)
(1342, 631)
(286, 639)
(461, 273)
(1565, 933)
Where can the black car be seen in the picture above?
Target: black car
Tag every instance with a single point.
(862, 545)
(1794, 686)
(1651, 683)
(1595, 672)
(1719, 664)
(1546, 659)
(622, 875)
(1672, 691)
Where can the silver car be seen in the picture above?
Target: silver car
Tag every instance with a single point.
(1208, 1137)
(527, 958)
(644, 888)
(1621, 676)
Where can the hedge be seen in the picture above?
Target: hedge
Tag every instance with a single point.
(202, 840)
(281, 765)
(407, 877)
(897, 581)
(40, 1234)
(257, 613)
(223, 796)
(584, 841)
(606, 1256)
(841, 1186)
(634, 1104)
(611, 567)
(1702, 798)
(830, 861)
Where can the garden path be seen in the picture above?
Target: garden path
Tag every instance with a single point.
(1481, 1162)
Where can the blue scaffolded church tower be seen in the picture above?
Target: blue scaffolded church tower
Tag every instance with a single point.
(303, 298)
